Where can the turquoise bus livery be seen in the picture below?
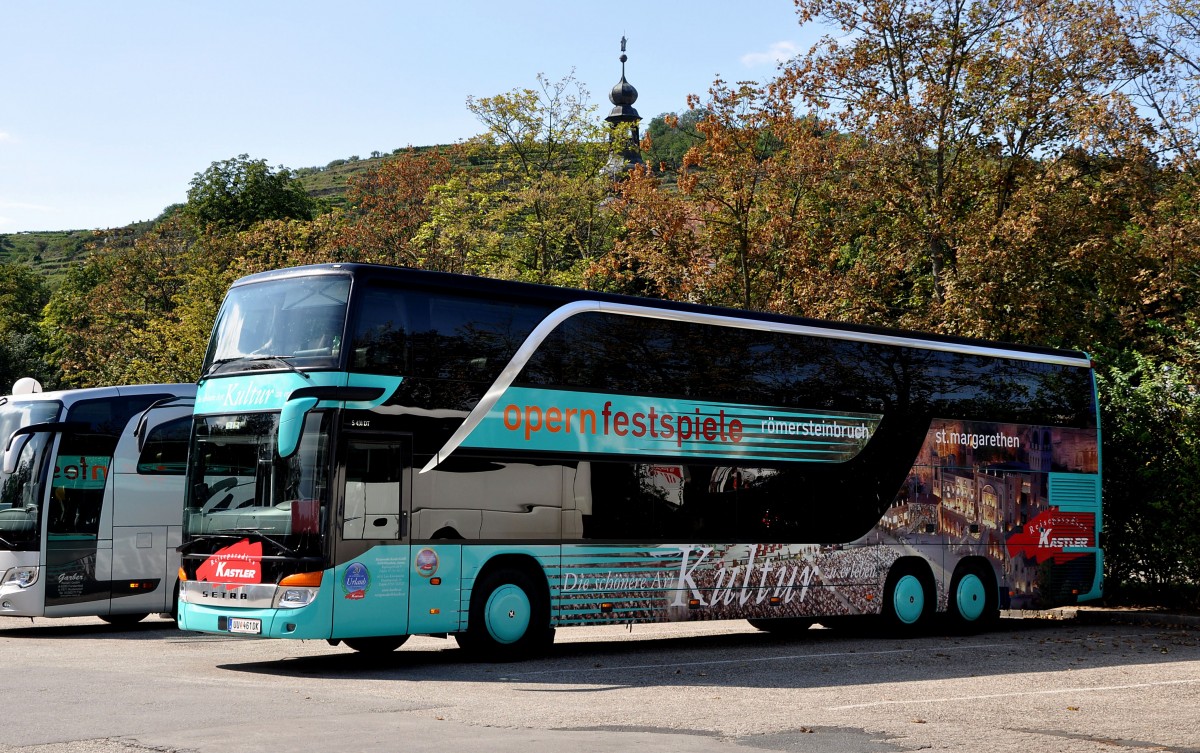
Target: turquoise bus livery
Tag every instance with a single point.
(379, 452)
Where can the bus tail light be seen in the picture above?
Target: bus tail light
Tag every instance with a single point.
(182, 575)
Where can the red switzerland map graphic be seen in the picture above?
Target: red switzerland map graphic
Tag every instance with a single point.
(1050, 532)
(236, 565)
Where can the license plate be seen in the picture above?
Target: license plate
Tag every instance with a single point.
(244, 625)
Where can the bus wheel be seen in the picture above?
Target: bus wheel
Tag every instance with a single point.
(381, 645)
(509, 617)
(781, 625)
(973, 599)
(123, 619)
(908, 599)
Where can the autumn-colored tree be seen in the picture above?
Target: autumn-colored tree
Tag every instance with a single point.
(1168, 32)
(391, 203)
(531, 206)
(955, 104)
(95, 319)
(747, 222)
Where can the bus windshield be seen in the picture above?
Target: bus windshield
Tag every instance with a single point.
(298, 321)
(240, 487)
(20, 500)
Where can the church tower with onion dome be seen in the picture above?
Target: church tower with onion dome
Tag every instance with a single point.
(623, 122)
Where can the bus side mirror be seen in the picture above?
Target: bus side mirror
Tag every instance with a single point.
(300, 402)
(12, 451)
(18, 439)
(291, 423)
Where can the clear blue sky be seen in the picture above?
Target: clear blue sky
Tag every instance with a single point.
(108, 109)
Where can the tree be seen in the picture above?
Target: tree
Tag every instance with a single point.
(669, 137)
(21, 355)
(954, 104)
(95, 320)
(1151, 419)
(1168, 31)
(236, 193)
(738, 229)
(530, 207)
(23, 293)
(390, 204)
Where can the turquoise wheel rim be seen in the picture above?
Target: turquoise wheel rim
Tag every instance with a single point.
(507, 613)
(908, 599)
(970, 597)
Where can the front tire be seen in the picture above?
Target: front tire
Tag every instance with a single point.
(123, 620)
(377, 645)
(509, 617)
(909, 599)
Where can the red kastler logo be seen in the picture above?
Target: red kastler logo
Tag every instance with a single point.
(236, 565)
(1049, 533)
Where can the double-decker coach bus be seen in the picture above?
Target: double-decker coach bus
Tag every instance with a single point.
(91, 500)
(379, 452)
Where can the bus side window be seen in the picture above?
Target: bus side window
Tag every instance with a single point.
(165, 451)
(381, 334)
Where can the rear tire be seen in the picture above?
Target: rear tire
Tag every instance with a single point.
(781, 625)
(509, 617)
(375, 646)
(974, 599)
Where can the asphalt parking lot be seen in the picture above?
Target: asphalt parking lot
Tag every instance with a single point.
(1063, 682)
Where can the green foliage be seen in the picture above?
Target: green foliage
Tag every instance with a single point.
(49, 253)
(21, 355)
(96, 318)
(23, 293)
(532, 210)
(977, 168)
(668, 138)
(1151, 429)
(236, 193)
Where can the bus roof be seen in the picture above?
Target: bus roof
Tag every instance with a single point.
(69, 397)
(561, 295)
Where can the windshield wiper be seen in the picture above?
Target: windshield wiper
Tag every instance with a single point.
(187, 547)
(222, 362)
(7, 543)
(258, 532)
(238, 533)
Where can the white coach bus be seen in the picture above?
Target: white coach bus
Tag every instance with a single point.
(91, 500)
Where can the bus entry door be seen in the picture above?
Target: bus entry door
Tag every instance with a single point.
(371, 577)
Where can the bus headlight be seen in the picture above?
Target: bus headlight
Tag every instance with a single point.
(298, 590)
(294, 598)
(23, 577)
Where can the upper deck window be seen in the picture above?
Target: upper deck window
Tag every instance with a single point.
(438, 335)
(299, 319)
